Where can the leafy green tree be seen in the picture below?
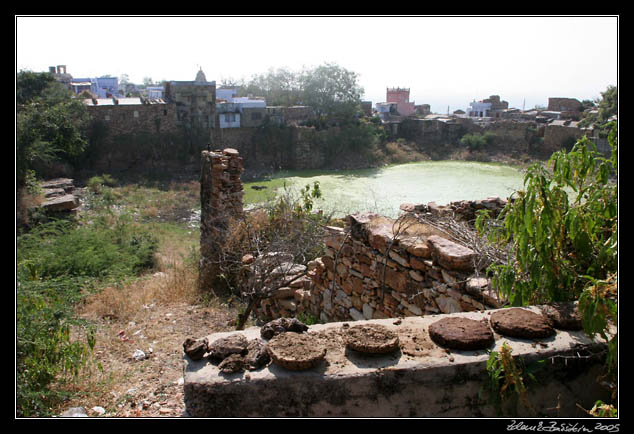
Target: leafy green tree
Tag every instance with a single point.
(30, 85)
(332, 91)
(278, 86)
(50, 123)
(609, 104)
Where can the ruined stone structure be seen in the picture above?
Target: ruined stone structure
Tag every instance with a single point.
(383, 268)
(220, 200)
(133, 115)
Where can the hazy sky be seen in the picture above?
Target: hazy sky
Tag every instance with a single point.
(445, 61)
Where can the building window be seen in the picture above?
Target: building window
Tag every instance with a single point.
(256, 116)
(136, 114)
(107, 117)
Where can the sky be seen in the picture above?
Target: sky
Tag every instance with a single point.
(445, 61)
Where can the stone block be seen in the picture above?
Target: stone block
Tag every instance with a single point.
(368, 311)
(289, 304)
(448, 304)
(416, 246)
(395, 279)
(356, 315)
(451, 255)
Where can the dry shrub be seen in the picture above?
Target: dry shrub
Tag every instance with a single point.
(150, 212)
(173, 281)
(24, 202)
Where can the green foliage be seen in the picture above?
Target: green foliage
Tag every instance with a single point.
(563, 228)
(607, 106)
(307, 318)
(96, 184)
(278, 86)
(563, 231)
(332, 90)
(49, 123)
(44, 349)
(353, 137)
(57, 262)
(601, 409)
(476, 141)
(507, 377)
(307, 199)
(60, 249)
(29, 85)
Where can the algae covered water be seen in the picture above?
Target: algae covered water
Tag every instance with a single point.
(383, 190)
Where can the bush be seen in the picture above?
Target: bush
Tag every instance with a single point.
(57, 263)
(96, 183)
(563, 230)
(61, 248)
(44, 350)
(477, 142)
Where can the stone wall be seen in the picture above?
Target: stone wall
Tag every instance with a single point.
(564, 104)
(419, 379)
(135, 118)
(556, 136)
(430, 132)
(378, 268)
(220, 200)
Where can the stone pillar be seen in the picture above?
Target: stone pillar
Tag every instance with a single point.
(220, 202)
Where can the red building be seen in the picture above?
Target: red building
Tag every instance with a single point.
(400, 96)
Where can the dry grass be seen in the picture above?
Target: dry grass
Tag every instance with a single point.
(23, 202)
(154, 314)
(174, 280)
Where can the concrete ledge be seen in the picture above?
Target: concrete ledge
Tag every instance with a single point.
(421, 379)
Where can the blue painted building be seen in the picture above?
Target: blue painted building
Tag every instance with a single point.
(101, 87)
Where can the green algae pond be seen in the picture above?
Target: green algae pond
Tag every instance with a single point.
(383, 190)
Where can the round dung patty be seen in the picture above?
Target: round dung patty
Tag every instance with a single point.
(565, 316)
(461, 333)
(295, 351)
(371, 338)
(521, 323)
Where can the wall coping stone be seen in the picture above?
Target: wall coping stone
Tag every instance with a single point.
(421, 379)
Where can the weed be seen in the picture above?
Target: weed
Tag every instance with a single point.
(506, 378)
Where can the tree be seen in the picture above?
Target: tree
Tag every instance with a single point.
(50, 123)
(332, 92)
(609, 103)
(30, 85)
(279, 87)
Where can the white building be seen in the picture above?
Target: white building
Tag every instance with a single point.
(479, 109)
(229, 106)
(384, 108)
(154, 92)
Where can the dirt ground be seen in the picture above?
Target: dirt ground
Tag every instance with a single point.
(150, 384)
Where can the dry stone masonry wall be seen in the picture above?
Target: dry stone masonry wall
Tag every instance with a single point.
(379, 268)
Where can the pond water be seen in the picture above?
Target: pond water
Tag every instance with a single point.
(383, 190)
